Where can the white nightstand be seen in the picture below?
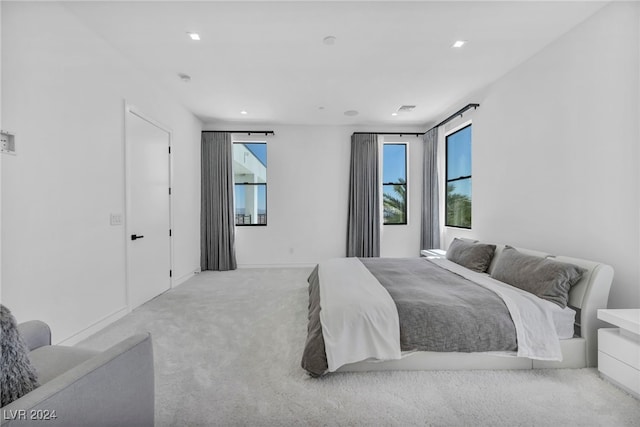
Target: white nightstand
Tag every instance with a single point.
(619, 348)
(433, 253)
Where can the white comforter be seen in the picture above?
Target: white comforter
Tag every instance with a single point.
(360, 321)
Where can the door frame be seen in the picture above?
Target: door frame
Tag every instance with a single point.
(132, 109)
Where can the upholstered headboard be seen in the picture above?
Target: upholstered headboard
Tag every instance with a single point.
(586, 296)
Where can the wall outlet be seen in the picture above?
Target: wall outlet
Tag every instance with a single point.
(116, 219)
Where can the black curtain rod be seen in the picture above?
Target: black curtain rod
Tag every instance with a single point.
(389, 133)
(445, 121)
(248, 132)
(456, 114)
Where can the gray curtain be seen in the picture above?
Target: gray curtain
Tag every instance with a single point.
(430, 227)
(217, 225)
(363, 227)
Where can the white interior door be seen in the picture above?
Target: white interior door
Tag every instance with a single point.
(148, 218)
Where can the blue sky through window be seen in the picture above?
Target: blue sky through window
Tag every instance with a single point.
(259, 150)
(459, 181)
(459, 154)
(394, 167)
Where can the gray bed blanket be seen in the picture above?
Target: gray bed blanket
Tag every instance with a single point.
(438, 311)
(314, 358)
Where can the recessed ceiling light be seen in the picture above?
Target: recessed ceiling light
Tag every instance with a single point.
(194, 36)
(351, 113)
(321, 108)
(394, 114)
(244, 112)
(329, 40)
(185, 77)
(459, 43)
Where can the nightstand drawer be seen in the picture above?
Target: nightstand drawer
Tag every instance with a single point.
(619, 373)
(620, 346)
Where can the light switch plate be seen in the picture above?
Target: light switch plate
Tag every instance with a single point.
(116, 219)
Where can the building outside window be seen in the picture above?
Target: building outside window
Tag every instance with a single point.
(250, 182)
(458, 178)
(394, 183)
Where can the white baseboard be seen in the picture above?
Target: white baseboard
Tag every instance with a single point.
(180, 280)
(301, 265)
(95, 327)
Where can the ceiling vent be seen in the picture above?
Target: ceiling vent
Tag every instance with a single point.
(406, 108)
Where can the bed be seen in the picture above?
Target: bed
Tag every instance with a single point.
(363, 312)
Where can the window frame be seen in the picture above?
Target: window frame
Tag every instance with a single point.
(460, 178)
(245, 184)
(405, 184)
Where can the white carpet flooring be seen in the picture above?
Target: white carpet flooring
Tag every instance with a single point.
(227, 349)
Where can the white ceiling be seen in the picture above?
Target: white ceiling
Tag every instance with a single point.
(268, 58)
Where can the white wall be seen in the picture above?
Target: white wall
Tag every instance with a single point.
(555, 150)
(307, 198)
(64, 96)
(185, 191)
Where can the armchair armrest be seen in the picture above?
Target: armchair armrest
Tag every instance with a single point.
(113, 388)
(35, 334)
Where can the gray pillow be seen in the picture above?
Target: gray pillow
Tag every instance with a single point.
(474, 256)
(543, 277)
(18, 376)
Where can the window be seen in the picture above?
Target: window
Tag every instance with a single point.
(250, 178)
(458, 199)
(394, 183)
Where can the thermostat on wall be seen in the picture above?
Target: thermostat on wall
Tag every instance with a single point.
(7, 142)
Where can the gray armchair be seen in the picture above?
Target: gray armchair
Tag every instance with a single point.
(81, 387)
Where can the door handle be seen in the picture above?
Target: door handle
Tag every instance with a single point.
(134, 237)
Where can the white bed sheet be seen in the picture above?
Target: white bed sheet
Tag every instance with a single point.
(563, 319)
